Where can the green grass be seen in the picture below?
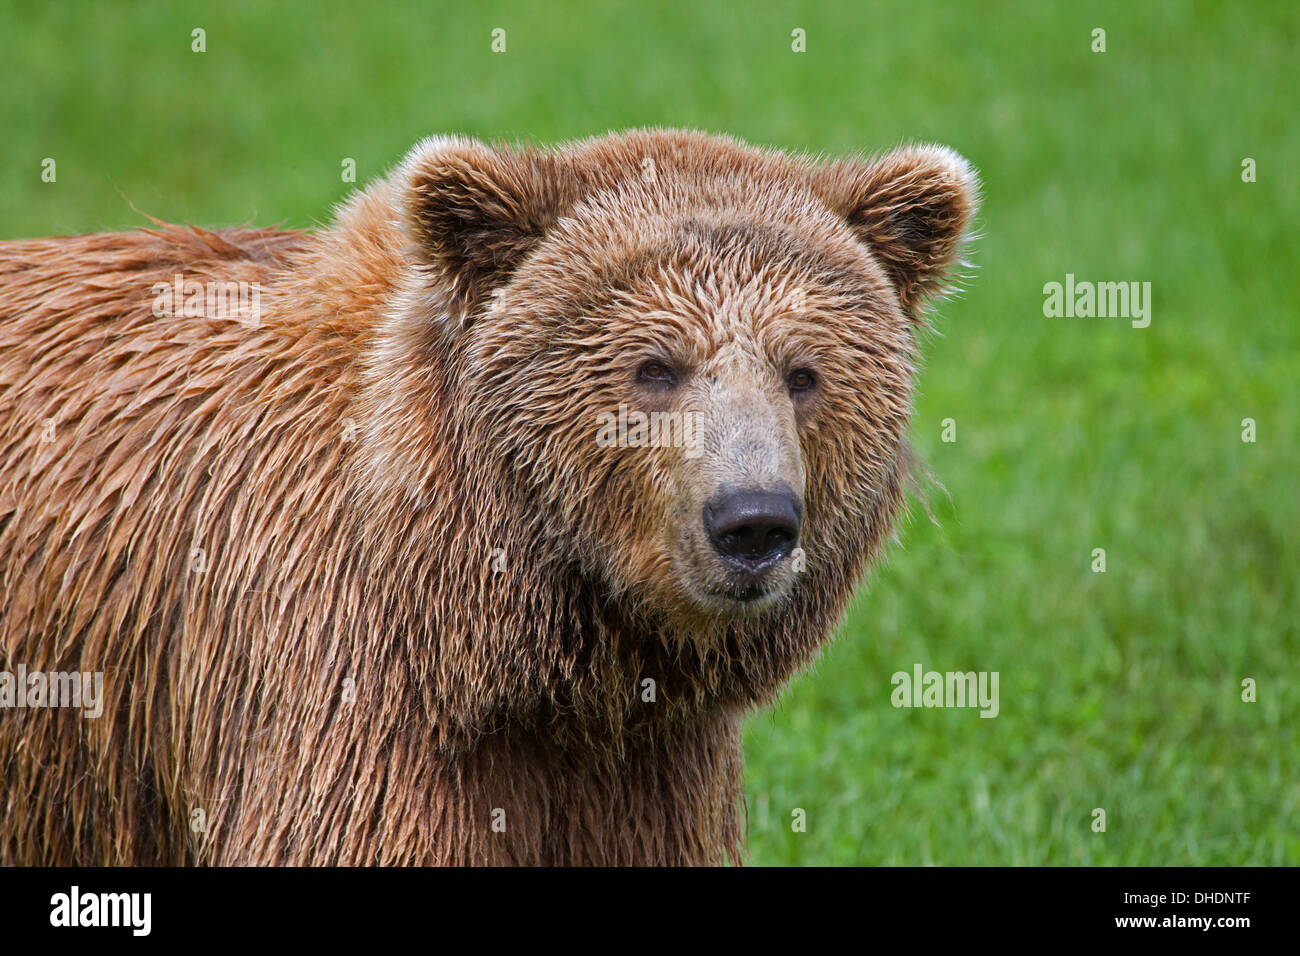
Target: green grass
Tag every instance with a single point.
(1118, 690)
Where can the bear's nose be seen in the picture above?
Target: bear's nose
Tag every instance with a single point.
(753, 528)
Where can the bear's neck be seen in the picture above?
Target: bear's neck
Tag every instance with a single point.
(529, 796)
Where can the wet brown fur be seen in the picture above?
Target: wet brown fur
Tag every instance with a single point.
(392, 482)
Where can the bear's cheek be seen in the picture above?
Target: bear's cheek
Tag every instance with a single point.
(632, 512)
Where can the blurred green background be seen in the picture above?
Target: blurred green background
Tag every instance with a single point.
(1119, 690)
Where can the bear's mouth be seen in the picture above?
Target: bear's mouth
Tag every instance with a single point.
(745, 597)
(743, 593)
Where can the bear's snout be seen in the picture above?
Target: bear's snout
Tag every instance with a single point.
(752, 529)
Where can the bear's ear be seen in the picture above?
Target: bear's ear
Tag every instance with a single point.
(473, 211)
(911, 207)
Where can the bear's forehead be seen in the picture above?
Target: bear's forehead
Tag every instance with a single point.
(701, 299)
(696, 257)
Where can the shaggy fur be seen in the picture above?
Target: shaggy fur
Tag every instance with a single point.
(360, 581)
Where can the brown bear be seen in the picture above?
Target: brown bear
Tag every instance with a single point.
(466, 530)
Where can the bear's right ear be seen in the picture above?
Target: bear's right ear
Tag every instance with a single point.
(473, 212)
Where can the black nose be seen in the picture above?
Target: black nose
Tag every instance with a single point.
(753, 528)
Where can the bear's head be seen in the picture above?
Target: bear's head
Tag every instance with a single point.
(689, 360)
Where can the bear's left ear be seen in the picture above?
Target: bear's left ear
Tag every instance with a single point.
(473, 212)
(911, 207)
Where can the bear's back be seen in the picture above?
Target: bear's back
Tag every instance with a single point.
(153, 422)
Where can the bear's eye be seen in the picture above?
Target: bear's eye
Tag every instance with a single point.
(800, 380)
(657, 373)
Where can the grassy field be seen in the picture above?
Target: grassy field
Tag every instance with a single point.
(1119, 690)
